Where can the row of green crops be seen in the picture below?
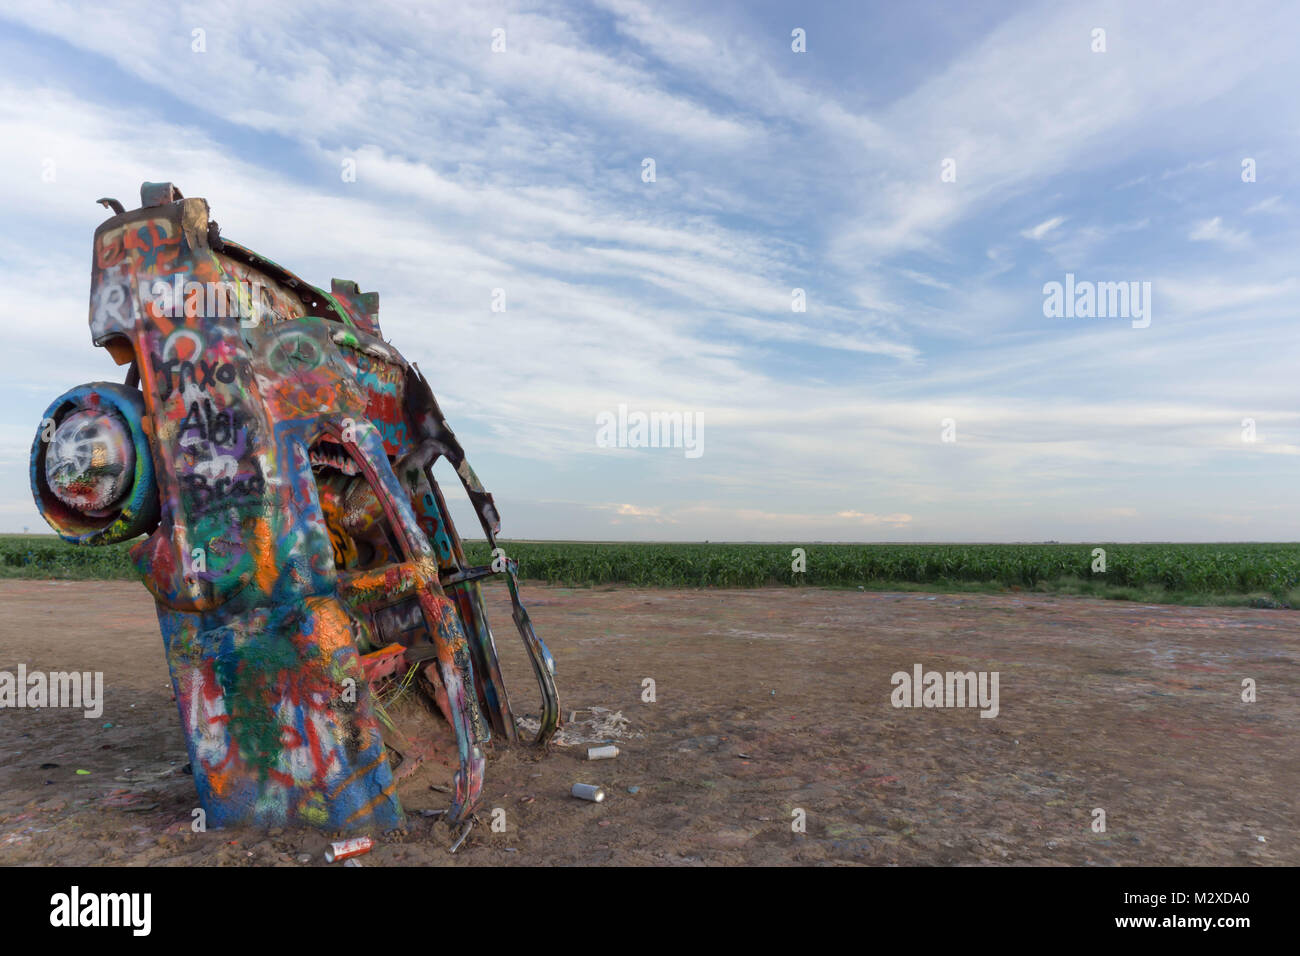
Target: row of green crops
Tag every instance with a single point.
(46, 556)
(1226, 569)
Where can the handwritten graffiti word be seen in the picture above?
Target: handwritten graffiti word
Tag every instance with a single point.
(213, 424)
(394, 434)
(174, 373)
(204, 491)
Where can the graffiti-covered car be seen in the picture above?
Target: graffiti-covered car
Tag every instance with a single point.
(277, 455)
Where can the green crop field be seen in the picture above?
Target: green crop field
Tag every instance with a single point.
(1260, 575)
(46, 556)
(1263, 575)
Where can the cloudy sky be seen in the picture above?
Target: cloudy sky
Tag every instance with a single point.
(921, 172)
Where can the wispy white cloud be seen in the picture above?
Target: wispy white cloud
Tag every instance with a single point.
(1041, 230)
(1273, 204)
(1213, 230)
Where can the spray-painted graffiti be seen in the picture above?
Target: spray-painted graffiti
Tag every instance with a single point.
(274, 457)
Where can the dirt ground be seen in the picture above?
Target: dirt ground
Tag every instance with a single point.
(766, 702)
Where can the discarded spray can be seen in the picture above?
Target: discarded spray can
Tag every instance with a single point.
(346, 849)
(588, 791)
(602, 753)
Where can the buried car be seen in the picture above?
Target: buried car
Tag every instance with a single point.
(277, 455)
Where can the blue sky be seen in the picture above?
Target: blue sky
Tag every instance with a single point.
(522, 170)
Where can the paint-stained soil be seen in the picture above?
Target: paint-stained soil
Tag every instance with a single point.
(767, 701)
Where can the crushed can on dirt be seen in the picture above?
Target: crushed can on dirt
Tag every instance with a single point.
(346, 849)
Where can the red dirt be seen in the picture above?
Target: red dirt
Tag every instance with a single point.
(767, 701)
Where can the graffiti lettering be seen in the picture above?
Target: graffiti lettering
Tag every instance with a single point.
(214, 425)
(205, 492)
(173, 373)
